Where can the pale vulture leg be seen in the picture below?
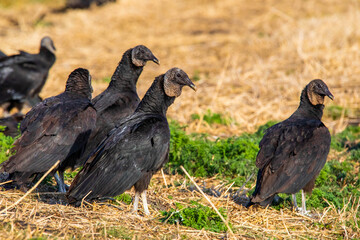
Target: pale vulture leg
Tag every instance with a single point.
(302, 210)
(294, 200)
(136, 202)
(59, 178)
(303, 203)
(145, 205)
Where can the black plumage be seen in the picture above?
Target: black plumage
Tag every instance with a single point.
(120, 99)
(55, 129)
(23, 76)
(11, 124)
(293, 152)
(85, 3)
(134, 150)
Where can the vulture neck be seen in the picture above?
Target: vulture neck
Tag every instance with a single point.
(155, 99)
(126, 74)
(47, 55)
(306, 109)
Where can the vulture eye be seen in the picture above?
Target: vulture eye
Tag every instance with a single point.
(178, 75)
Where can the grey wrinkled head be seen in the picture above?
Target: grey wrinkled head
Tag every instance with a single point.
(79, 81)
(141, 54)
(48, 43)
(317, 90)
(174, 80)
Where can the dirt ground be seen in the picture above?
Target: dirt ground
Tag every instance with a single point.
(252, 59)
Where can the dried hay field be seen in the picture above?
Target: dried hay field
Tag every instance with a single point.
(250, 61)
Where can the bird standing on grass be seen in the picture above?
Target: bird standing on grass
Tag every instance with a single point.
(23, 76)
(293, 152)
(120, 99)
(55, 129)
(134, 150)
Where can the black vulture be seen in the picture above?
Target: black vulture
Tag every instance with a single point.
(85, 3)
(293, 152)
(134, 150)
(22, 76)
(11, 124)
(120, 99)
(55, 129)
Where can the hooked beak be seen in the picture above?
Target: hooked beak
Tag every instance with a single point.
(53, 46)
(193, 87)
(52, 49)
(155, 60)
(191, 84)
(329, 94)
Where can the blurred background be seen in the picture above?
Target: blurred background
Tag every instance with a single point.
(250, 61)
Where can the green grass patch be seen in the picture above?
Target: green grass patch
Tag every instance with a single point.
(125, 198)
(346, 139)
(41, 23)
(232, 157)
(38, 238)
(196, 76)
(6, 143)
(19, 3)
(117, 233)
(70, 175)
(335, 112)
(196, 216)
(336, 182)
(213, 118)
(106, 79)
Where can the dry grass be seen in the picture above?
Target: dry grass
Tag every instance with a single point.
(253, 59)
(34, 217)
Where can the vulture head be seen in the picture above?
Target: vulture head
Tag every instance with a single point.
(48, 43)
(174, 80)
(141, 54)
(316, 91)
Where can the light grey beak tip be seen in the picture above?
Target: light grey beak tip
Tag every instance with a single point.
(155, 60)
(193, 87)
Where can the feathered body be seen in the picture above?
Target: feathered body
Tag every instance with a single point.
(22, 76)
(119, 100)
(55, 129)
(293, 152)
(132, 152)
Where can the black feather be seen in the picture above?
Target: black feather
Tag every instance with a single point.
(23, 76)
(118, 101)
(55, 129)
(292, 152)
(131, 154)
